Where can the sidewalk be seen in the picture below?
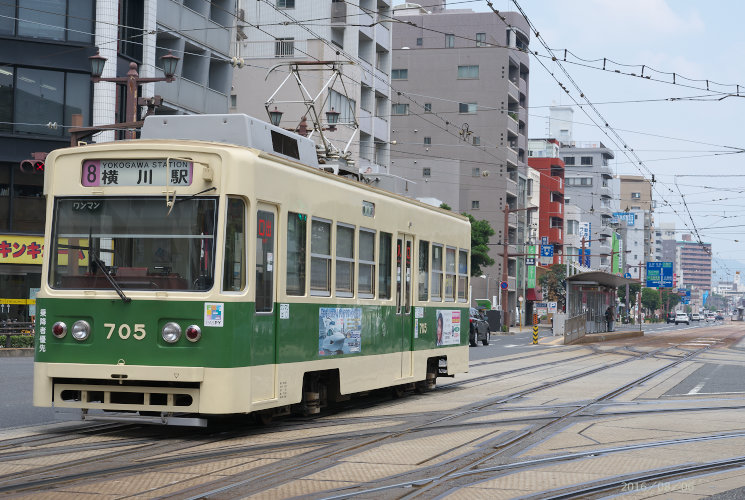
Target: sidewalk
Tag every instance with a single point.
(13, 352)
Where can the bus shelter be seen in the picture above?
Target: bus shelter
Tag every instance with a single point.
(590, 294)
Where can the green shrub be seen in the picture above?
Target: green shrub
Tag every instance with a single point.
(21, 340)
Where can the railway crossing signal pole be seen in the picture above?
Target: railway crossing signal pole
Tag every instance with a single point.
(535, 329)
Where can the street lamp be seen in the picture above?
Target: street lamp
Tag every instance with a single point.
(132, 81)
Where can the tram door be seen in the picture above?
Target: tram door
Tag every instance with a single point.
(263, 340)
(404, 314)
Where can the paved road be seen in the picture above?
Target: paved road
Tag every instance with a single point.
(16, 403)
(16, 374)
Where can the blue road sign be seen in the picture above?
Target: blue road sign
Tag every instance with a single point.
(547, 250)
(503, 285)
(627, 275)
(659, 274)
(544, 240)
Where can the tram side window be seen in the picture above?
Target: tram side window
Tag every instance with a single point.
(463, 275)
(296, 250)
(366, 282)
(264, 261)
(234, 266)
(423, 270)
(450, 274)
(384, 266)
(344, 260)
(437, 272)
(320, 257)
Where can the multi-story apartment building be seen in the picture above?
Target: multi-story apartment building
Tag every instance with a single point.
(587, 178)
(356, 37)
(199, 33)
(665, 242)
(694, 268)
(636, 195)
(544, 158)
(460, 119)
(45, 89)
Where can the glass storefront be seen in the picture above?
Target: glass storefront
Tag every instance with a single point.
(18, 284)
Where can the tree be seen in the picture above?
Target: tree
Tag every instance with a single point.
(553, 284)
(650, 298)
(633, 290)
(670, 299)
(481, 231)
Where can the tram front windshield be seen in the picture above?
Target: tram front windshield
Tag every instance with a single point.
(133, 242)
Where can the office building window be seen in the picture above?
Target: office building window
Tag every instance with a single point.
(475, 205)
(636, 196)
(476, 140)
(480, 39)
(468, 72)
(427, 107)
(399, 74)
(286, 4)
(475, 172)
(419, 41)
(284, 47)
(427, 141)
(467, 107)
(426, 172)
(449, 41)
(399, 109)
(586, 160)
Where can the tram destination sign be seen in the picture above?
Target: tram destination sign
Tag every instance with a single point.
(134, 172)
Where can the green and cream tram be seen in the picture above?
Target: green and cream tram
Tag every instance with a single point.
(185, 278)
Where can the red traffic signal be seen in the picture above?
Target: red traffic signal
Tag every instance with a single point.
(32, 166)
(35, 165)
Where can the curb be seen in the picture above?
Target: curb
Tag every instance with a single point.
(603, 337)
(13, 352)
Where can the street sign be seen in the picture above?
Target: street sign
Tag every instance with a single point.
(530, 261)
(544, 240)
(627, 275)
(503, 285)
(552, 307)
(547, 250)
(659, 274)
(540, 307)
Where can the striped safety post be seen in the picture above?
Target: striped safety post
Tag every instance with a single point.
(535, 329)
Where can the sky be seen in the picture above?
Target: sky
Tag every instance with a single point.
(691, 139)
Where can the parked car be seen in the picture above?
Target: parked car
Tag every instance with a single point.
(681, 317)
(709, 316)
(479, 327)
(695, 317)
(671, 317)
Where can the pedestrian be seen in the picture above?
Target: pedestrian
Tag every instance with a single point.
(609, 318)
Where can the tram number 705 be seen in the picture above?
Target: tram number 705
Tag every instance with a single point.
(125, 330)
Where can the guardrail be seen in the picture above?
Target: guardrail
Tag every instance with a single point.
(575, 328)
(11, 329)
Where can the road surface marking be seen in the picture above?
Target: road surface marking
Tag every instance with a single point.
(696, 389)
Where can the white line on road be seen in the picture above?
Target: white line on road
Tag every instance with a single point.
(696, 389)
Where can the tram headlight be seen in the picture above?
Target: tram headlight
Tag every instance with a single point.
(171, 332)
(80, 330)
(193, 333)
(59, 329)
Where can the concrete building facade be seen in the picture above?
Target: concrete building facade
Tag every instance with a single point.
(544, 158)
(461, 119)
(356, 38)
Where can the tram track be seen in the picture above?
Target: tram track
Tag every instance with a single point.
(326, 450)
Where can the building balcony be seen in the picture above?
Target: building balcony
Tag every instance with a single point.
(338, 13)
(605, 170)
(365, 22)
(512, 125)
(510, 154)
(554, 209)
(555, 235)
(513, 90)
(605, 191)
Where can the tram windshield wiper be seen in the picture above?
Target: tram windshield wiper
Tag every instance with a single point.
(213, 188)
(94, 256)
